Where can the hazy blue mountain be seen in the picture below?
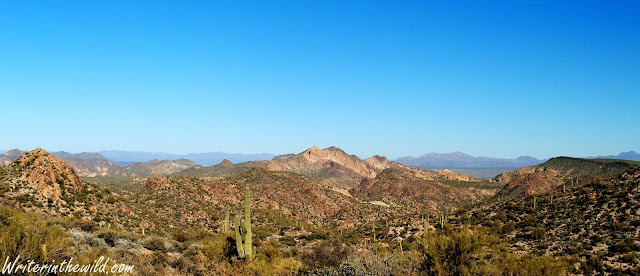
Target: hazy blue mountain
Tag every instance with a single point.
(629, 155)
(461, 160)
(203, 159)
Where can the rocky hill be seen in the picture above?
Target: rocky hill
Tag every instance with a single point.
(156, 167)
(10, 156)
(39, 173)
(557, 171)
(331, 162)
(594, 223)
(331, 166)
(283, 192)
(224, 169)
(401, 188)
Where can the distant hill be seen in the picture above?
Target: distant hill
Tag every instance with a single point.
(203, 159)
(94, 164)
(330, 165)
(557, 171)
(157, 167)
(10, 156)
(461, 160)
(629, 155)
(396, 187)
(88, 164)
(225, 169)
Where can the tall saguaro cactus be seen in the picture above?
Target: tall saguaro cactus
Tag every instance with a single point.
(248, 243)
(246, 249)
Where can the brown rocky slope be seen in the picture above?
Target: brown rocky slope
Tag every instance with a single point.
(557, 171)
(47, 174)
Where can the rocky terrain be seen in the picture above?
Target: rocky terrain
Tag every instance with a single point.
(42, 174)
(10, 156)
(403, 219)
(332, 166)
(89, 164)
(94, 164)
(156, 167)
(557, 171)
(397, 187)
(595, 223)
(224, 169)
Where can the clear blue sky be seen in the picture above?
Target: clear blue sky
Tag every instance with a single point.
(491, 78)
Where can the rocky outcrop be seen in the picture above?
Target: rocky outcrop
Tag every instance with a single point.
(324, 163)
(48, 175)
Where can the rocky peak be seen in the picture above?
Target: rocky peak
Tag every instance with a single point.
(48, 174)
(378, 162)
(226, 163)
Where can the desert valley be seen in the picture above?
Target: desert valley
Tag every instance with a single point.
(322, 212)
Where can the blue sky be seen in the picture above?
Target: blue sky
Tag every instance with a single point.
(396, 78)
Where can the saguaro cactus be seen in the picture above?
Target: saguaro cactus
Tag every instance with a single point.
(239, 238)
(443, 219)
(246, 249)
(248, 246)
(425, 223)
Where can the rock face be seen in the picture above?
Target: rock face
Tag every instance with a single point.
(334, 163)
(48, 174)
(10, 156)
(323, 163)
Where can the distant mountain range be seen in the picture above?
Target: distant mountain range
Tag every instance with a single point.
(629, 155)
(331, 165)
(203, 159)
(461, 160)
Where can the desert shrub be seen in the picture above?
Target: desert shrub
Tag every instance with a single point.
(29, 235)
(326, 253)
(109, 236)
(473, 252)
(154, 244)
(508, 227)
(215, 248)
(280, 266)
(538, 233)
(593, 265)
(288, 240)
(112, 199)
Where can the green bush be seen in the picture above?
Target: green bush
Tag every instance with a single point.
(31, 237)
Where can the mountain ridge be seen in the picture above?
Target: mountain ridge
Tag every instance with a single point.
(458, 159)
